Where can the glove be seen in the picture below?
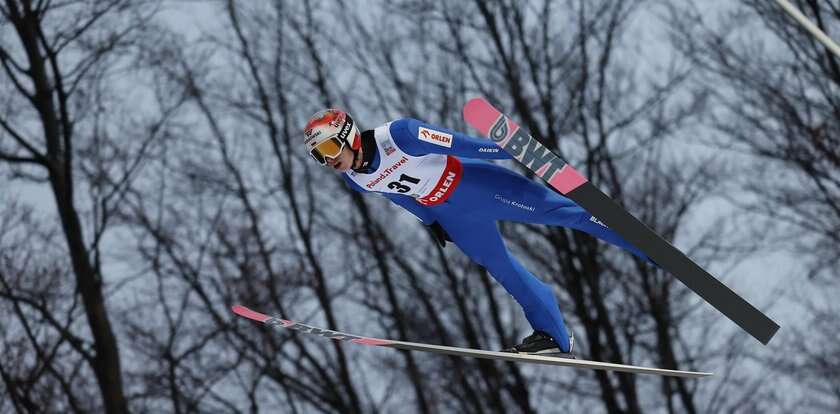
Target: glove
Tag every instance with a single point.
(439, 234)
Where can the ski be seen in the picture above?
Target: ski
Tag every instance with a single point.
(280, 323)
(545, 164)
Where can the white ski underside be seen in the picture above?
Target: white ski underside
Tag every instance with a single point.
(545, 360)
(467, 352)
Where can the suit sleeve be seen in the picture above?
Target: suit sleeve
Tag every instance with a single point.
(420, 211)
(417, 138)
(352, 184)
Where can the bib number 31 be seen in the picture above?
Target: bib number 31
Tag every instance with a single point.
(402, 188)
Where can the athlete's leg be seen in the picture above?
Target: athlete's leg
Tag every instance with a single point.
(536, 203)
(480, 240)
(496, 193)
(577, 218)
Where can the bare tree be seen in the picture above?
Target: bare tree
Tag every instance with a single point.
(42, 370)
(57, 61)
(778, 93)
(199, 188)
(558, 66)
(780, 106)
(233, 220)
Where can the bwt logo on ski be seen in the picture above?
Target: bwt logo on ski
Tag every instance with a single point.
(326, 333)
(525, 149)
(435, 137)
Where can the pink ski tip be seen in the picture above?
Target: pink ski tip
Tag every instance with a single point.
(248, 313)
(567, 179)
(480, 114)
(370, 341)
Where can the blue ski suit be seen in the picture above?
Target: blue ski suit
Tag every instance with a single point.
(485, 194)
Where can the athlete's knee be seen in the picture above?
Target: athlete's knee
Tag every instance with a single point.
(516, 279)
(563, 208)
(558, 200)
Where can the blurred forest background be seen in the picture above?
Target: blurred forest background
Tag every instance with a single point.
(151, 175)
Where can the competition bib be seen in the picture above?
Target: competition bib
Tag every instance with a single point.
(430, 178)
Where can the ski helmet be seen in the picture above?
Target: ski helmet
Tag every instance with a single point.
(328, 131)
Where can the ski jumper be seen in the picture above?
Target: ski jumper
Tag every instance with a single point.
(438, 175)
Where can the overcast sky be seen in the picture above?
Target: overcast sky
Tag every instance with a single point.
(758, 279)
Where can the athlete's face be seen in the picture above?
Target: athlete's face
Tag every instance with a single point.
(343, 162)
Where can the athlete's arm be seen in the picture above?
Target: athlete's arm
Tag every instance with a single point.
(420, 211)
(352, 184)
(418, 138)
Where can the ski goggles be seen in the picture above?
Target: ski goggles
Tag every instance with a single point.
(330, 148)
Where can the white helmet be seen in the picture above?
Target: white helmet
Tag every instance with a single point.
(328, 131)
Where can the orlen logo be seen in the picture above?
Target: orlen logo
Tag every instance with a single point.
(435, 137)
(447, 182)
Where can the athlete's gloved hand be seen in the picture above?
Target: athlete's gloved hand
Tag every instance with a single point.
(440, 235)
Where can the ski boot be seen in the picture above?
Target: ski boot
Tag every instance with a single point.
(540, 343)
